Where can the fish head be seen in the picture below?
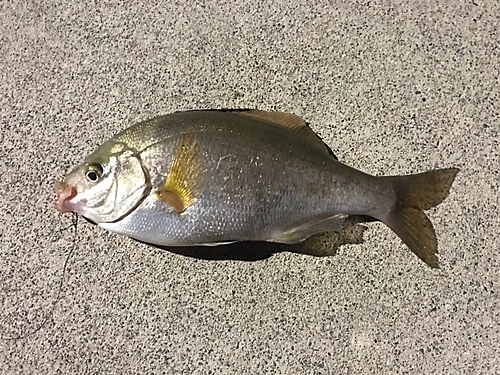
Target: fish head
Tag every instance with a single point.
(107, 186)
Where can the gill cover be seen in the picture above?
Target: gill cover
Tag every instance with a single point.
(120, 189)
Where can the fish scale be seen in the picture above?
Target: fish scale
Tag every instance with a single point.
(212, 177)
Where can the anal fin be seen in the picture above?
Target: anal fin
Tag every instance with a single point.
(301, 233)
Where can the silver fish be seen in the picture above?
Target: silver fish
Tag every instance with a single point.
(218, 176)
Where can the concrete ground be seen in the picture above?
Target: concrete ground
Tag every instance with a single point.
(392, 87)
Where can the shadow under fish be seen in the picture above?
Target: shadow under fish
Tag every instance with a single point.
(319, 245)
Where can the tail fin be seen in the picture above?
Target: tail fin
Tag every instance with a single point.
(415, 193)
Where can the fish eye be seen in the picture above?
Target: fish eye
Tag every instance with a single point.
(94, 173)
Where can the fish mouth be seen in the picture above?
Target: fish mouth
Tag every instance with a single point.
(65, 192)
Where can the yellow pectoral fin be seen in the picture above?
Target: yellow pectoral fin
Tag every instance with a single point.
(186, 177)
(173, 200)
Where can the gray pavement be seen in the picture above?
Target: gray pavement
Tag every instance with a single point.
(392, 87)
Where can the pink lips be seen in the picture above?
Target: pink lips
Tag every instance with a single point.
(65, 192)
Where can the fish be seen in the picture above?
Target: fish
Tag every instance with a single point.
(213, 177)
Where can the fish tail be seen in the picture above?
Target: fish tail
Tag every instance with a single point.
(415, 193)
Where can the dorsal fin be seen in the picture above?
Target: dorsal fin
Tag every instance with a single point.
(289, 122)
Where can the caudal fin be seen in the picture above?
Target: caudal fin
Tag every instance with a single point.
(416, 193)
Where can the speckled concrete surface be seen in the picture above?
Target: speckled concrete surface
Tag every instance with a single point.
(392, 87)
